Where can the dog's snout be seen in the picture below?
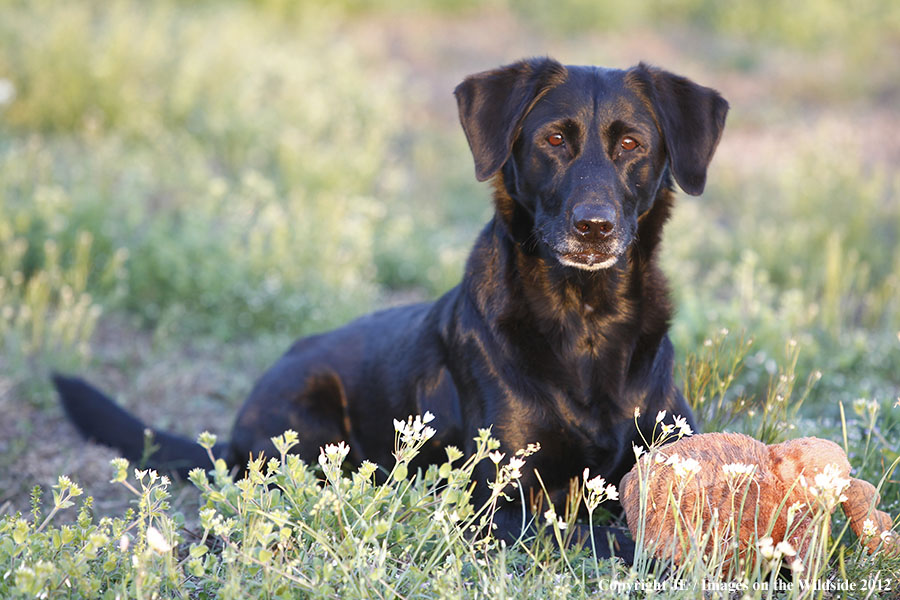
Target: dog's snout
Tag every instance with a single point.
(593, 221)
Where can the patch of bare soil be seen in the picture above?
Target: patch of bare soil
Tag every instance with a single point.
(186, 390)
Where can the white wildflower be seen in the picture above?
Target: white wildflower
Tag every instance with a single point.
(766, 547)
(611, 492)
(553, 520)
(686, 468)
(660, 416)
(793, 509)
(684, 429)
(638, 451)
(737, 470)
(414, 429)
(869, 528)
(828, 486)
(333, 453)
(496, 456)
(597, 485)
(785, 548)
(157, 541)
(515, 466)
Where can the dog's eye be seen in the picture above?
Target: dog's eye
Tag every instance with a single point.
(556, 139)
(628, 143)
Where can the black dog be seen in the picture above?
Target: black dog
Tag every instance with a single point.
(558, 330)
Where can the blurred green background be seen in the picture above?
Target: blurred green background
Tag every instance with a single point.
(187, 186)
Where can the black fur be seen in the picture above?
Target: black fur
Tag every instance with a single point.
(558, 330)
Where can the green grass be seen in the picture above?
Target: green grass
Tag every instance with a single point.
(287, 530)
(188, 184)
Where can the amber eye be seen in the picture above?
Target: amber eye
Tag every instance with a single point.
(628, 143)
(556, 139)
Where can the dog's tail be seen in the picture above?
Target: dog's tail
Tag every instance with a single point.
(100, 419)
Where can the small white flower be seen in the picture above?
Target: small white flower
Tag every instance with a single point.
(796, 566)
(784, 548)
(736, 470)
(793, 509)
(828, 486)
(869, 528)
(683, 427)
(660, 416)
(414, 429)
(766, 548)
(515, 465)
(611, 492)
(334, 453)
(552, 519)
(598, 491)
(157, 541)
(496, 456)
(638, 450)
(637, 412)
(686, 468)
(596, 484)
(124, 542)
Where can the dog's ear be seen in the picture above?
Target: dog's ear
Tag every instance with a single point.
(493, 103)
(692, 118)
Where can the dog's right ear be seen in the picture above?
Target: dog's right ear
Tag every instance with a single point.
(493, 103)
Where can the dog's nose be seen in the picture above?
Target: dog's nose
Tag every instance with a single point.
(593, 221)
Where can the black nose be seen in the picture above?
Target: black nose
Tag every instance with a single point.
(593, 222)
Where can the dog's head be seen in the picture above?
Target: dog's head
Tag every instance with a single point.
(584, 151)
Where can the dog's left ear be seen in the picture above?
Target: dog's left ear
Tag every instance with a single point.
(692, 118)
(493, 103)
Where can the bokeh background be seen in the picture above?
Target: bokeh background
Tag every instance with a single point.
(186, 186)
